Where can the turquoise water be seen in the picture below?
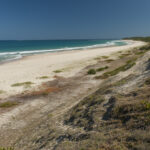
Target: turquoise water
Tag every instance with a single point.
(10, 50)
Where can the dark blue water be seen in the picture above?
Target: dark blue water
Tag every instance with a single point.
(10, 50)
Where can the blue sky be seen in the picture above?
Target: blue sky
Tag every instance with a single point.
(73, 19)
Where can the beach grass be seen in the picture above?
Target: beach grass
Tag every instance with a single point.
(43, 77)
(129, 64)
(58, 71)
(8, 104)
(147, 82)
(105, 57)
(22, 84)
(1, 91)
(98, 58)
(124, 55)
(8, 148)
(109, 60)
(102, 68)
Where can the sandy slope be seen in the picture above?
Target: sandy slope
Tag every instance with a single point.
(37, 122)
(31, 68)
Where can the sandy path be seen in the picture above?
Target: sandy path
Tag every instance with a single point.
(33, 67)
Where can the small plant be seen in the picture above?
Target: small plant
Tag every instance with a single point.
(22, 84)
(1, 91)
(109, 60)
(146, 104)
(97, 58)
(91, 71)
(101, 69)
(58, 71)
(140, 53)
(147, 82)
(43, 77)
(124, 55)
(8, 104)
(105, 57)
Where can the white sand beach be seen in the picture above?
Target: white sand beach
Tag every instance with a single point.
(42, 67)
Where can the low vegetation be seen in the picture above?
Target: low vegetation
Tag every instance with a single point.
(129, 64)
(123, 125)
(8, 148)
(1, 91)
(124, 55)
(57, 71)
(147, 82)
(102, 68)
(91, 72)
(22, 84)
(145, 39)
(104, 57)
(8, 104)
(123, 81)
(83, 114)
(43, 77)
(109, 60)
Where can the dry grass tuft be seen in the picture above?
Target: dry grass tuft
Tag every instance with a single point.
(8, 104)
(22, 84)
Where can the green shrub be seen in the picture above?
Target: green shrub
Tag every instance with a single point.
(92, 71)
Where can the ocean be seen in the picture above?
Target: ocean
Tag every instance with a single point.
(11, 50)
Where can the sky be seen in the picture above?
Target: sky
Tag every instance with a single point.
(73, 19)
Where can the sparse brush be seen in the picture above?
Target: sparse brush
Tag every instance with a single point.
(8, 104)
(22, 84)
(8, 148)
(102, 68)
(58, 71)
(43, 77)
(125, 67)
(109, 60)
(147, 82)
(91, 71)
(105, 57)
(1, 91)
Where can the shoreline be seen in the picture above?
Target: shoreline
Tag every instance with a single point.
(65, 50)
(67, 63)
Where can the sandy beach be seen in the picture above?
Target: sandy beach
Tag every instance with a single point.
(39, 68)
